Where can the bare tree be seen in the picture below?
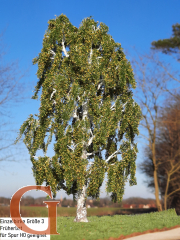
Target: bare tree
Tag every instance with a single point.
(169, 144)
(151, 82)
(168, 187)
(172, 74)
(12, 92)
(167, 155)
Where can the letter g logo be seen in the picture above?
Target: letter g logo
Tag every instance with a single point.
(15, 211)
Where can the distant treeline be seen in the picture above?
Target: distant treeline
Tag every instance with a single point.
(102, 202)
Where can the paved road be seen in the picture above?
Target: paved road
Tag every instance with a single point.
(173, 234)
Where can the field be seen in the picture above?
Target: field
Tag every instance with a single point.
(99, 226)
(27, 211)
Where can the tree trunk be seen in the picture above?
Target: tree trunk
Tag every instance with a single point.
(159, 206)
(165, 202)
(166, 191)
(158, 203)
(81, 214)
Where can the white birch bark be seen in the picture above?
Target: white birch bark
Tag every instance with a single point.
(81, 213)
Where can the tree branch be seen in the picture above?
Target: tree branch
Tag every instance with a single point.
(90, 56)
(63, 47)
(53, 53)
(112, 155)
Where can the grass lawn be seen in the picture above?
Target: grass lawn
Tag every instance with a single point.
(113, 226)
(100, 226)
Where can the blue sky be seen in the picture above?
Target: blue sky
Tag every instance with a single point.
(131, 23)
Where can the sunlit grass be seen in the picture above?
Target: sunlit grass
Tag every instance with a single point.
(99, 226)
(113, 226)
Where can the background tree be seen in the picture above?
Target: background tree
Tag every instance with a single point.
(10, 87)
(151, 82)
(87, 104)
(169, 45)
(169, 133)
(167, 155)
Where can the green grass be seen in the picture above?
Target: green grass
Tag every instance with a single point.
(100, 227)
(113, 226)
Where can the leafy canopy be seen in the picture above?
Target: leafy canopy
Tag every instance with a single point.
(87, 104)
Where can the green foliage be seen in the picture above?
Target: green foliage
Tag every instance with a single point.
(169, 45)
(82, 71)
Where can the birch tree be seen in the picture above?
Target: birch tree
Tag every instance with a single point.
(87, 104)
